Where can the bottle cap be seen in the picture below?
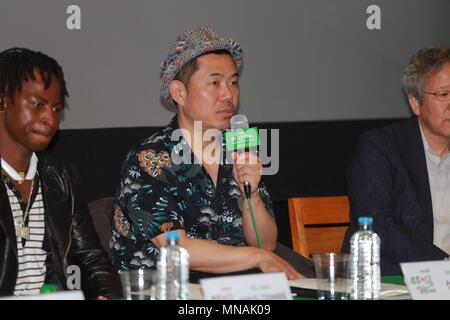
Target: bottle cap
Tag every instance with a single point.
(172, 235)
(48, 288)
(365, 221)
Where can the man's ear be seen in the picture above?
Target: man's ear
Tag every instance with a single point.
(415, 105)
(178, 92)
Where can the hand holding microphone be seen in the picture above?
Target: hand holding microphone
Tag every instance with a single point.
(247, 172)
(247, 168)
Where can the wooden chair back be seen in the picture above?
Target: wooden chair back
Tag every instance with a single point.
(318, 224)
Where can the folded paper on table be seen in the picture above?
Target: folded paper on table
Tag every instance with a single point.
(195, 292)
(260, 286)
(427, 280)
(388, 291)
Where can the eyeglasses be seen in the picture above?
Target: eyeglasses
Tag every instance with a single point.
(440, 95)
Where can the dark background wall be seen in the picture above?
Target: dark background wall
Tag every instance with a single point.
(313, 159)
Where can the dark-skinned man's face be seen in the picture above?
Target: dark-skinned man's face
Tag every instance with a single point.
(32, 118)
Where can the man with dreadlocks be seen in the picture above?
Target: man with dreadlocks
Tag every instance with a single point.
(44, 227)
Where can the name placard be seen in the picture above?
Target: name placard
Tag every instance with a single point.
(264, 286)
(429, 280)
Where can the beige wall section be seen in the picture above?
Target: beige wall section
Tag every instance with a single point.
(304, 59)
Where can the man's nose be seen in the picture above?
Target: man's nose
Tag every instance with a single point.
(227, 93)
(50, 117)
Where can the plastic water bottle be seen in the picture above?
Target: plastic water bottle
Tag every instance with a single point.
(365, 265)
(173, 270)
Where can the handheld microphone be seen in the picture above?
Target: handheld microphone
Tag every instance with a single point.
(240, 122)
(244, 137)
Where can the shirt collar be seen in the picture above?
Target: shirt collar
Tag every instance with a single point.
(429, 152)
(173, 125)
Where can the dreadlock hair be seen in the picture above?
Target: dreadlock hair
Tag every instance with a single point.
(19, 64)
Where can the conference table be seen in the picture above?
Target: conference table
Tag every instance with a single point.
(302, 294)
(298, 293)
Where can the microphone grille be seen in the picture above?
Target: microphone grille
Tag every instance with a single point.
(238, 121)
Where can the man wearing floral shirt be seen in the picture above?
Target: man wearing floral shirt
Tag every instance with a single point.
(171, 181)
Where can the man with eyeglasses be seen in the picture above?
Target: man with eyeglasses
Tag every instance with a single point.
(400, 174)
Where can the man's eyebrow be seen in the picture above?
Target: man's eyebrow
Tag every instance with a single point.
(35, 95)
(45, 100)
(214, 74)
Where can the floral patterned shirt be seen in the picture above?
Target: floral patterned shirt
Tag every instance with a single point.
(157, 195)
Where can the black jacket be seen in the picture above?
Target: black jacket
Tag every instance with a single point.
(388, 179)
(69, 228)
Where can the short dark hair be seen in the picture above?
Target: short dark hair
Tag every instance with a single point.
(18, 65)
(425, 63)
